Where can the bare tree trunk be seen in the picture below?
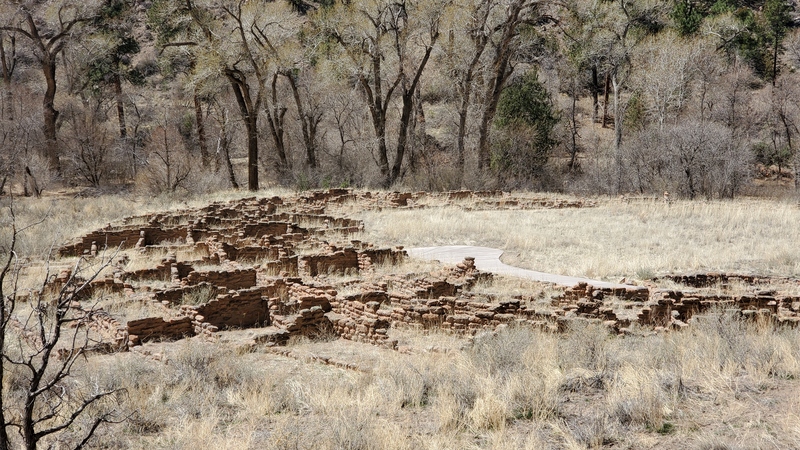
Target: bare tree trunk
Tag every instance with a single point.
(574, 128)
(202, 141)
(223, 144)
(377, 109)
(480, 40)
(500, 71)
(405, 117)
(123, 126)
(617, 113)
(250, 115)
(308, 123)
(490, 109)
(50, 113)
(8, 63)
(30, 180)
(605, 99)
(275, 118)
(595, 94)
(419, 131)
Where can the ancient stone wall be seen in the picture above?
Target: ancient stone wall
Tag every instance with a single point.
(236, 309)
(228, 279)
(157, 328)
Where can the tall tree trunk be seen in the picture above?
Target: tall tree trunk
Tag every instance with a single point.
(200, 123)
(250, 117)
(223, 144)
(500, 71)
(377, 110)
(605, 99)
(307, 123)
(463, 109)
(419, 131)
(573, 154)
(123, 126)
(618, 119)
(595, 94)
(491, 100)
(405, 118)
(8, 63)
(275, 118)
(50, 113)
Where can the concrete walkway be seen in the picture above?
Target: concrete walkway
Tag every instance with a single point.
(488, 260)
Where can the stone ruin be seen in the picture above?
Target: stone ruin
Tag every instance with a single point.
(289, 267)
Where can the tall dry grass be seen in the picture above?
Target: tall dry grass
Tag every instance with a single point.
(614, 239)
(517, 388)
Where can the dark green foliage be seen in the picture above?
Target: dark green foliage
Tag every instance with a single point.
(771, 155)
(525, 118)
(526, 102)
(688, 16)
(114, 21)
(635, 114)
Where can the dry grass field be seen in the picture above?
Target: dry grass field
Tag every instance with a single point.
(614, 239)
(719, 383)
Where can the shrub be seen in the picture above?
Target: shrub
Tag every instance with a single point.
(525, 120)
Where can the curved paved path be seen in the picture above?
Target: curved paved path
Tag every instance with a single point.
(488, 260)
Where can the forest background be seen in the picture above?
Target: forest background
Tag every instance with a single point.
(696, 98)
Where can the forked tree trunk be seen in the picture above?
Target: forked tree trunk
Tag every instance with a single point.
(405, 117)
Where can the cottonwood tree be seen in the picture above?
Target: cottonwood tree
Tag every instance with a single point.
(469, 30)
(387, 46)
(623, 25)
(503, 42)
(241, 40)
(691, 158)
(48, 28)
(42, 340)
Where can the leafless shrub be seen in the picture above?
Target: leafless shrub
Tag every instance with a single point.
(169, 165)
(692, 158)
(90, 144)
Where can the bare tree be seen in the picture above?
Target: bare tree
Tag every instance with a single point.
(41, 342)
(388, 45)
(48, 39)
(169, 167)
